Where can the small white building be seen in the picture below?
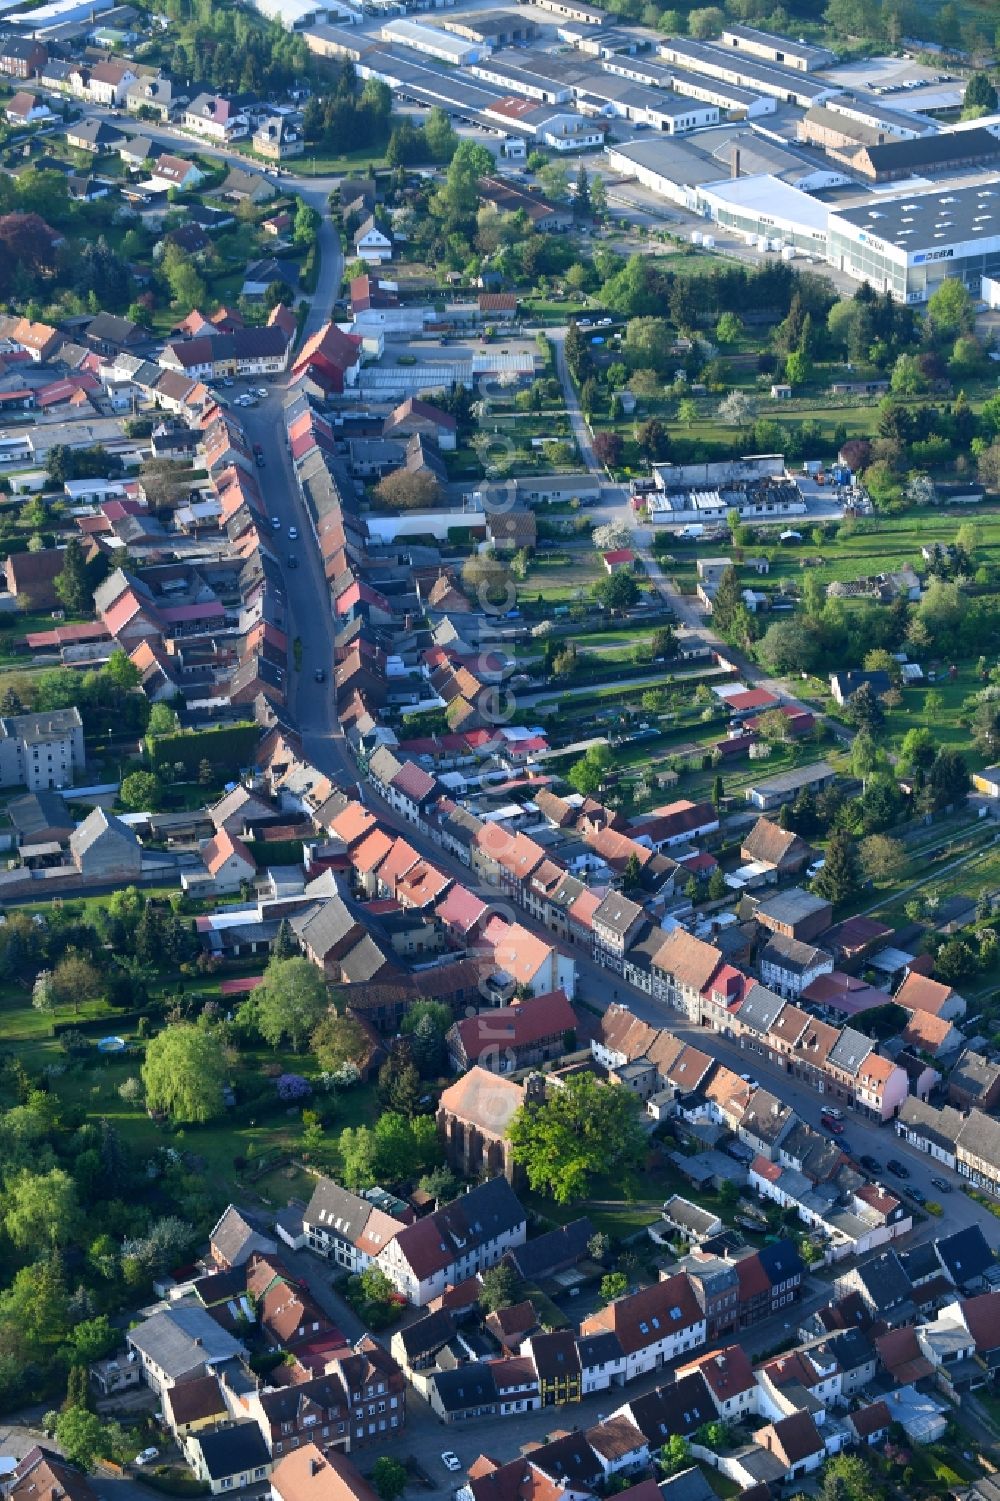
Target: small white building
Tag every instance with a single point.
(371, 244)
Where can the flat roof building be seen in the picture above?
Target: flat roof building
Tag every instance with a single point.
(777, 49)
(786, 84)
(910, 243)
(433, 42)
(765, 207)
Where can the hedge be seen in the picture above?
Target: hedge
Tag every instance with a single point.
(226, 749)
(276, 851)
(170, 1483)
(110, 1025)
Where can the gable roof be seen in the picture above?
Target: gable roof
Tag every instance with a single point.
(182, 1339)
(483, 1214)
(517, 1026)
(306, 1474)
(235, 1239)
(921, 993)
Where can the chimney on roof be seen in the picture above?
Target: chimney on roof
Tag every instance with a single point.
(315, 1465)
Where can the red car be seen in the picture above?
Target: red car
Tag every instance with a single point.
(835, 1127)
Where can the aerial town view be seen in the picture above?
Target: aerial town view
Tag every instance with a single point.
(500, 750)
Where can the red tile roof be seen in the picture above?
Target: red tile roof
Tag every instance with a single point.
(516, 1026)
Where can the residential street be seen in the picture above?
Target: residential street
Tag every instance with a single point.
(425, 1436)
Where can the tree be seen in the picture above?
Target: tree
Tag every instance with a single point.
(337, 1040)
(488, 582)
(773, 726)
(162, 721)
(389, 1478)
(92, 1339)
(82, 1436)
(440, 135)
(394, 1150)
(735, 410)
(75, 979)
(285, 946)
(404, 491)
(608, 449)
(985, 724)
(502, 1288)
(674, 1455)
(882, 859)
(955, 961)
(554, 180)
(619, 591)
(426, 1024)
(613, 1285)
(598, 196)
(917, 751)
(791, 646)
(187, 290)
(581, 195)
(184, 1072)
(980, 97)
(706, 22)
(729, 328)
(840, 877)
(798, 368)
(586, 775)
(611, 536)
(949, 308)
(948, 779)
(727, 600)
(306, 225)
(663, 644)
(40, 1209)
(864, 709)
(648, 344)
(72, 585)
(459, 196)
(846, 1477)
(140, 792)
(290, 1003)
(584, 1129)
(441, 1184)
(714, 1435)
(42, 993)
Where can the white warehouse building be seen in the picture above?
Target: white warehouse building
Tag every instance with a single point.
(430, 41)
(909, 244)
(765, 208)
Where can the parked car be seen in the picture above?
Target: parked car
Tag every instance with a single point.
(293, 561)
(276, 523)
(293, 533)
(870, 1164)
(895, 1166)
(942, 1185)
(915, 1194)
(320, 675)
(258, 454)
(147, 1456)
(451, 1461)
(835, 1127)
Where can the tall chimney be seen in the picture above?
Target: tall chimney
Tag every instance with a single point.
(736, 163)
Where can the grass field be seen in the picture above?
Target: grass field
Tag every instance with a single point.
(231, 1149)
